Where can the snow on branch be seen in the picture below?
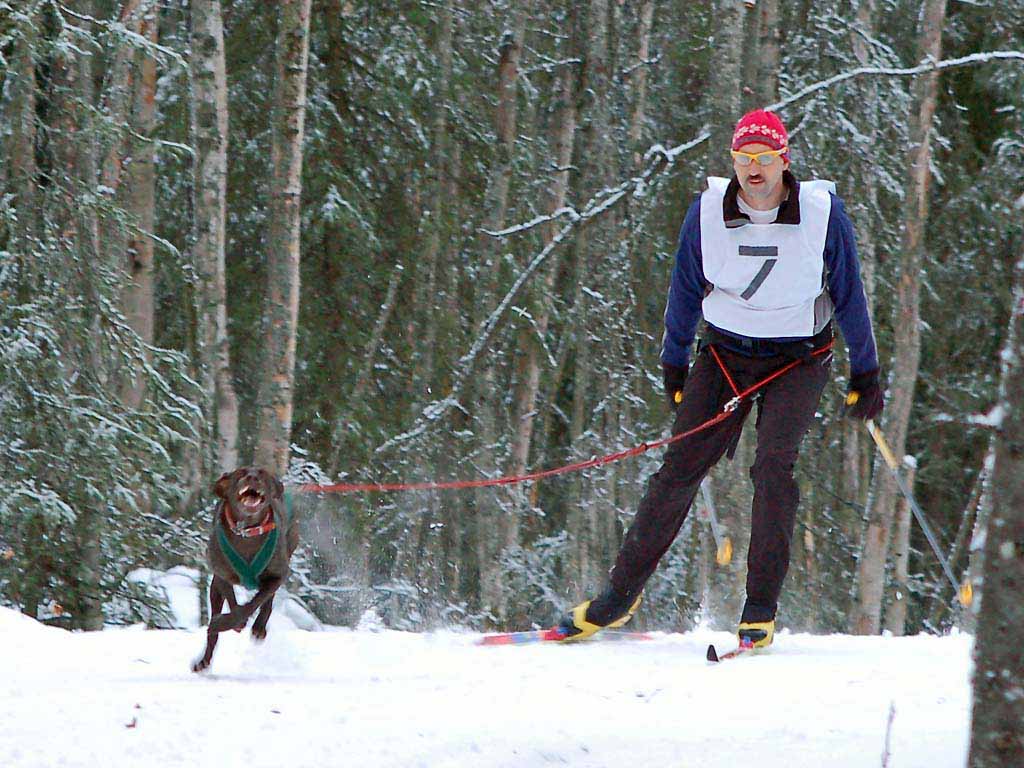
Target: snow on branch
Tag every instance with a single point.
(119, 29)
(564, 211)
(659, 160)
(548, 64)
(920, 69)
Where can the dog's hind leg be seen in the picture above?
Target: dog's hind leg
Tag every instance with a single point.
(259, 627)
(219, 590)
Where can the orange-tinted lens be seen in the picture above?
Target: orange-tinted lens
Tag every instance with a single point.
(762, 158)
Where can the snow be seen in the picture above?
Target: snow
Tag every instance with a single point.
(178, 587)
(373, 697)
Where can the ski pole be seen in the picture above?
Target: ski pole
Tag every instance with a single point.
(723, 544)
(965, 591)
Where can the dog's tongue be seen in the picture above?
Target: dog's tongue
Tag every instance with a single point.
(250, 498)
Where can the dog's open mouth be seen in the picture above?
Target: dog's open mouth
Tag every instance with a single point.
(250, 497)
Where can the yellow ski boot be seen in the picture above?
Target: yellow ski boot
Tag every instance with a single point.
(576, 627)
(756, 634)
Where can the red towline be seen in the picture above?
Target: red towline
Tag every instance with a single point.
(509, 479)
(599, 461)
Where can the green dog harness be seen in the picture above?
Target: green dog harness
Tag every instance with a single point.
(249, 571)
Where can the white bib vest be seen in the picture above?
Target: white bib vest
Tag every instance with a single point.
(768, 280)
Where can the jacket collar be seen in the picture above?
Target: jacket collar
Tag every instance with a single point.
(789, 209)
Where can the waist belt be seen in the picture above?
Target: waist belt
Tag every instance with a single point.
(799, 349)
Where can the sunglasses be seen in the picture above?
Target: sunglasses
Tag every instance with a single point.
(761, 158)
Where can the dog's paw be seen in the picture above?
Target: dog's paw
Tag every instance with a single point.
(259, 634)
(200, 664)
(221, 623)
(226, 621)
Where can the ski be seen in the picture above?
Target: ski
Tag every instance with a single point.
(556, 634)
(744, 647)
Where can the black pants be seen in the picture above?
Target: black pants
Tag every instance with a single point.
(786, 408)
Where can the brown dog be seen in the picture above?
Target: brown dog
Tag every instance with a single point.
(254, 535)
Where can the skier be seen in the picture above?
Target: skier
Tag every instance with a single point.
(767, 261)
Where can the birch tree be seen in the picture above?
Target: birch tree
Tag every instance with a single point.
(277, 379)
(210, 138)
(138, 260)
(866, 616)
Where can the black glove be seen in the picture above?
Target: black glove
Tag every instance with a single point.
(675, 381)
(864, 399)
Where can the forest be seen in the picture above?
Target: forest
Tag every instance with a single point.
(425, 241)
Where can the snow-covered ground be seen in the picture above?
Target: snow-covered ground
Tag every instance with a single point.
(126, 697)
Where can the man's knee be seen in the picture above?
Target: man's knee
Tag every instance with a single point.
(773, 467)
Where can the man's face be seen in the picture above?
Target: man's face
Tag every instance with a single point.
(761, 184)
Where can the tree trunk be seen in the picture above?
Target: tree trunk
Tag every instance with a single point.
(118, 94)
(22, 155)
(867, 177)
(23, 180)
(643, 53)
(210, 136)
(504, 522)
(137, 296)
(960, 543)
(415, 565)
(74, 154)
(997, 738)
(437, 193)
(976, 549)
(283, 239)
(532, 353)
(724, 84)
(896, 609)
(730, 480)
(864, 209)
(750, 61)
(373, 345)
(866, 614)
(768, 52)
(594, 161)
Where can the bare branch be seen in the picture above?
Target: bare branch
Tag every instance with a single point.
(920, 69)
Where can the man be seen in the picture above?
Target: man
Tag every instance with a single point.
(768, 261)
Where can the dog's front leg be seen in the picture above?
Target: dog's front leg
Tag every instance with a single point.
(263, 597)
(259, 627)
(264, 600)
(220, 590)
(241, 614)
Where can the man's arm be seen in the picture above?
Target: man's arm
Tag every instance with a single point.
(847, 291)
(685, 294)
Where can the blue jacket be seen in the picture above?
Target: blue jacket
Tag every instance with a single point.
(689, 285)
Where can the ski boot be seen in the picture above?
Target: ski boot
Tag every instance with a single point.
(602, 612)
(757, 626)
(756, 634)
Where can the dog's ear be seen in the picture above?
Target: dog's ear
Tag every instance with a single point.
(221, 486)
(275, 484)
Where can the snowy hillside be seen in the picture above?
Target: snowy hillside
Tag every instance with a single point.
(126, 697)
